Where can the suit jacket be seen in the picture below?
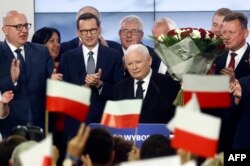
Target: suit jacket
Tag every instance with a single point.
(155, 59)
(73, 68)
(28, 105)
(158, 100)
(74, 43)
(243, 68)
(242, 134)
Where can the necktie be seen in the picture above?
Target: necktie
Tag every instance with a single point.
(90, 63)
(20, 57)
(232, 61)
(139, 90)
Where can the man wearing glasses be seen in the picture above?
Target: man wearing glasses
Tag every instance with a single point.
(131, 32)
(92, 65)
(24, 68)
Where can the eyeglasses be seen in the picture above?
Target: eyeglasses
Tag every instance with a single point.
(133, 32)
(85, 31)
(20, 27)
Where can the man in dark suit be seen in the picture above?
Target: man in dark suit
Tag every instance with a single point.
(235, 63)
(131, 32)
(234, 33)
(27, 82)
(241, 98)
(106, 69)
(74, 43)
(157, 88)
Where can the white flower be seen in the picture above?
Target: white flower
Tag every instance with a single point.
(161, 38)
(196, 34)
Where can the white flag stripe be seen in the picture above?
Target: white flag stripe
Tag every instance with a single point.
(171, 160)
(35, 155)
(206, 83)
(123, 107)
(193, 104)
(68, 91)
(198, 123)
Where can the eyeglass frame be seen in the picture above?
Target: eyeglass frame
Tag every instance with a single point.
(20, 27)
(133, 32)
(86, 31)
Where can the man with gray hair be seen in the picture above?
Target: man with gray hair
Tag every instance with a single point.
(162, 26)
(131, 32)
(154, 88)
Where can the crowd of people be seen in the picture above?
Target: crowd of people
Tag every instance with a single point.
(113, 71)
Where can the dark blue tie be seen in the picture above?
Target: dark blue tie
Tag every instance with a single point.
(22, 76)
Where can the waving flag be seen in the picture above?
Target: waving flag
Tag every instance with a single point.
(40, 154)
(195, 131)
(212, 91)
(122, 114)
(67, 98)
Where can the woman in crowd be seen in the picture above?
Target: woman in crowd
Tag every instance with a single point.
(51, 38)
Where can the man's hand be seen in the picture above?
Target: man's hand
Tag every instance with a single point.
(236, 91)
(230, 72)
(94, 79)
(56, 76)
(7, 96)
(15, 70)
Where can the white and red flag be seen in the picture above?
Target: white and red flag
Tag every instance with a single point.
(212, 90)
(122, 113)
(40, 154)
(71, 99)
(195, 131)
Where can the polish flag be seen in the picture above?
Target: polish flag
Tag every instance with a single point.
(122, 114)
(71, 99)
(196, 132)
(39, 154)
(212, 91)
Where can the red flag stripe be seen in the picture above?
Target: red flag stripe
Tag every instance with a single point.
(72, 108)
(122, 121)
(198, 145)
(47, 161)
(209, 99)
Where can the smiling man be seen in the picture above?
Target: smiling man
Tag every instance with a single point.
(154, 88)
(92, 65)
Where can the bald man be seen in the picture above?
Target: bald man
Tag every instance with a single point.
(32, 66)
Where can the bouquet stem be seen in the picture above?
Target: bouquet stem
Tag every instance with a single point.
(179, 100)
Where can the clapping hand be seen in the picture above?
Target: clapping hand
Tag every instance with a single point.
(15, 70)
(56, 76)
(7, 96)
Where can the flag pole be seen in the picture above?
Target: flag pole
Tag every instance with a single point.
(46, 122)
(136, 130)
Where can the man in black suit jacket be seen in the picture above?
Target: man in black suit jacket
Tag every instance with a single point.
(158, 90)
(107, 65)
(131, 32)
(74, 43)
(27, 82)
(234, 34)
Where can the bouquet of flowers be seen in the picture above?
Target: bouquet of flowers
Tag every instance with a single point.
(188, 50)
